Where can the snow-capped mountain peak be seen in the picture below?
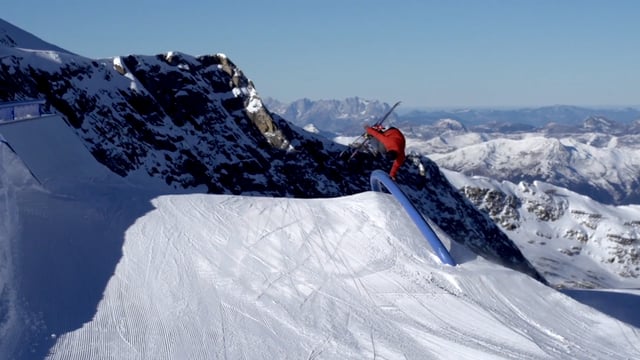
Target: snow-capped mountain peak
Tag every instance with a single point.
(450, 125)
(602, 124)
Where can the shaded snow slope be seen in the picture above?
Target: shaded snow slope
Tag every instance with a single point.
(62, 222)
(13, 36)
(59, 161)
(12, 176)
(217, 276)
(69, 161)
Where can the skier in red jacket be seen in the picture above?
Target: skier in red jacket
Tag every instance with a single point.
(391, 143)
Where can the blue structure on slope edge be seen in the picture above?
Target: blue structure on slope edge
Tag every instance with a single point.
(378, 178)
(22, 110)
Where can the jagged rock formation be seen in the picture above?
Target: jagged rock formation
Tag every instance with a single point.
(581, 230)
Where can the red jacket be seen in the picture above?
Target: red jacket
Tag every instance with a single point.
(393, 140)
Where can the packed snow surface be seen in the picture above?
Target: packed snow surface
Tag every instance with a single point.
(216, 276)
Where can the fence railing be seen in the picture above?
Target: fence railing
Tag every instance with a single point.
(22, 110)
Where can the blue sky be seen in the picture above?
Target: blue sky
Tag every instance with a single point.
(426, 53)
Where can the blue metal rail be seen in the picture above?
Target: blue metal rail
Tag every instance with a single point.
(379, 178)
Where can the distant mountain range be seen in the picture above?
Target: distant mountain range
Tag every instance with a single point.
(346, 116)
(332, 116)
(536, 117)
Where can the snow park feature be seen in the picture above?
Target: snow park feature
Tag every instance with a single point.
(379, 178)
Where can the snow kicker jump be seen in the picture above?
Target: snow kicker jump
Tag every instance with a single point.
(379, 178)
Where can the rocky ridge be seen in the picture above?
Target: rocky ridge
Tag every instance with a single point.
(583, 233)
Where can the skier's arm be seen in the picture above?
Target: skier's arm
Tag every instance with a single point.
(376, 134)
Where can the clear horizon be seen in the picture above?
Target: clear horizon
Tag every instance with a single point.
(429, 54)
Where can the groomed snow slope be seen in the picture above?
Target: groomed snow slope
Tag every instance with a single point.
(217, 276)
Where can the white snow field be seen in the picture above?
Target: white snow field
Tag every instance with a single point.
(104, 269)
(216, 276)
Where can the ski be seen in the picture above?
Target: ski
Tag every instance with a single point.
(360, 142)
(383, 118)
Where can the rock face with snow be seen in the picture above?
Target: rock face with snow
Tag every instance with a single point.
(584, 233)
(590, 165)
(601, 124)
(199, 122)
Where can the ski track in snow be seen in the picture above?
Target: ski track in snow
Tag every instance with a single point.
(216, 276)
